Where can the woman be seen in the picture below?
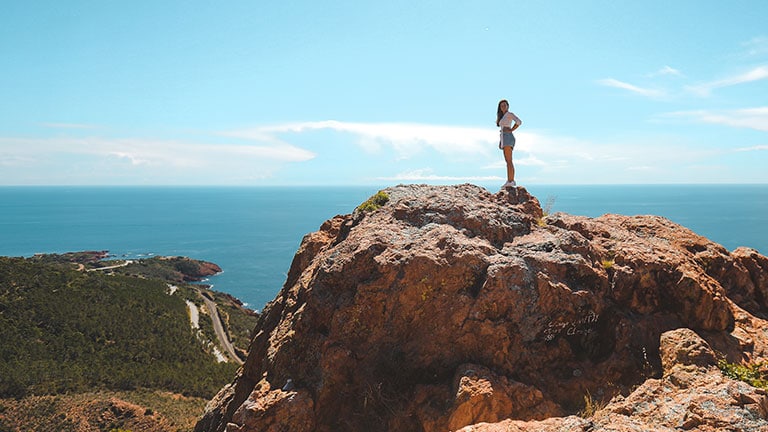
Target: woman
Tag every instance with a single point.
(504, 119)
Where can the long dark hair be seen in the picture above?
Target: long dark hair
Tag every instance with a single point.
(499, 113)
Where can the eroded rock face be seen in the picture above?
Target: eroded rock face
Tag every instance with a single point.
(450, 306)
(692, 395)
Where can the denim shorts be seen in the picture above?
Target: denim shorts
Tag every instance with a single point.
(508, 139)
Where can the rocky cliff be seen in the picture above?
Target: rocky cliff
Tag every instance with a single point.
(451, 307)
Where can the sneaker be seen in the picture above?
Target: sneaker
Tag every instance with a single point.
(509, 184)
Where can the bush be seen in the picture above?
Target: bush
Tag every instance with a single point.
(374, 203)
(750, 374)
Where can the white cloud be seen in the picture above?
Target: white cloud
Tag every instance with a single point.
(457, 154)
(705, 89)
(460, 150)
(132, 158)
(146, 160)
(750, 118)
(755, 47)
(531, 160)
(523, 159)
(667, 71)
(610, 82)
(427, 175)
(407, 139)
(535, 149)
(9, 159)
(68, 126)
(155, 152)
(753, 148)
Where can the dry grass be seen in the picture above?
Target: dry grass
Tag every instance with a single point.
(159, 411)
(591, 406)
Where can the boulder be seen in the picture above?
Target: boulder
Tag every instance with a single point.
(450, 307)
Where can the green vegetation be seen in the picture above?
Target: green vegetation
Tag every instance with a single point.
(86, 257)
(78, 332)
(754, 375)
(374, 203)
(607, 263)
(238, 320)
(171, 269)
(64, 330)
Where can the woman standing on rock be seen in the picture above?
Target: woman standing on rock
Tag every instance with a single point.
(504, 119)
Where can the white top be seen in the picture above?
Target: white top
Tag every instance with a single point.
(508, 118)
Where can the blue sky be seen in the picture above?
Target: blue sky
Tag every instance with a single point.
(376, 93)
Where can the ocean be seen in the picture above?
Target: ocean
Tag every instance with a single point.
(253, 232)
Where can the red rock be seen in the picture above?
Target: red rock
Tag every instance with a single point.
(684, 347)
(274, 410)
(451, 308)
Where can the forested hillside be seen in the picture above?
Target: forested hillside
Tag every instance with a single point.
(64, 329)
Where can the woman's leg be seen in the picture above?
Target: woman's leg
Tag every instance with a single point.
(510, 165)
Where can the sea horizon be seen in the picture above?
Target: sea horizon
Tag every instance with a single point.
(252, 232)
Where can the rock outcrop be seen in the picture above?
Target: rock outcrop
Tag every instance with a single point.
(451, 308)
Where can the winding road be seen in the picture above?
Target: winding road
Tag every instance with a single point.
(219, 329)
(212, 310)
(127, 262)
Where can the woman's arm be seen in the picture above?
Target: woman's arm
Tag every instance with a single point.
(517, 121)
